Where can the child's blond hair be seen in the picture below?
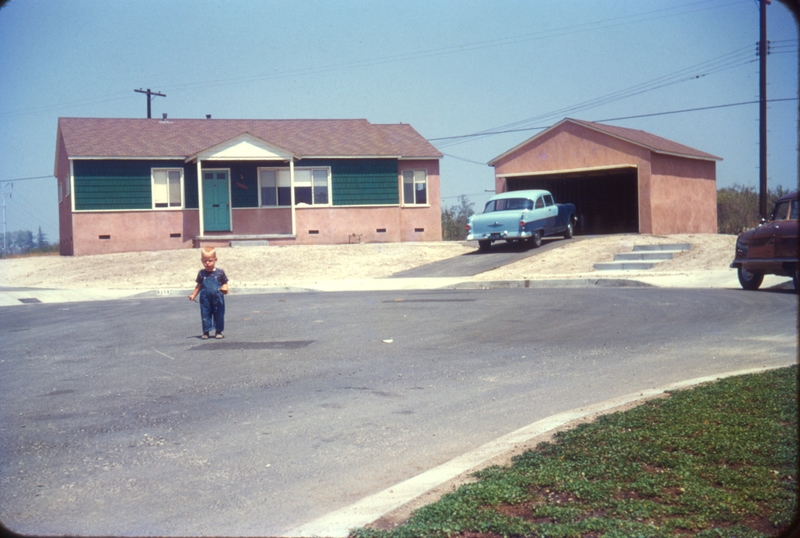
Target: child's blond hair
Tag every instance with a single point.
(208, 252)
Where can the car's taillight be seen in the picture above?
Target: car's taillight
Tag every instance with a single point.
(522, 224)
(468, 226)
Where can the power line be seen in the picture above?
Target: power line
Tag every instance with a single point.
(694, 109)
(459, 158)
(26, 178)
(729, 60)
(635, 18)
(540, 128)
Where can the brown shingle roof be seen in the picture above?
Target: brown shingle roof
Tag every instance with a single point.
(634, 136)
(132, 137)
(647, 140)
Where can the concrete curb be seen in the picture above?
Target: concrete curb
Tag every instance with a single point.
(337, 524)
(555, 283)
(694, 280)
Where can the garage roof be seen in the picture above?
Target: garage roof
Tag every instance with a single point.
(644, 139)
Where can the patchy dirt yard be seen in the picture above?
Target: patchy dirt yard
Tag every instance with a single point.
(280, 266)
(709, 252)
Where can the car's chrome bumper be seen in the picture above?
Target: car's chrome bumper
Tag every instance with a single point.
(498, 236)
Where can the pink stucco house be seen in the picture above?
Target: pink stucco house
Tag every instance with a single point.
(148, 184)
(621, 180)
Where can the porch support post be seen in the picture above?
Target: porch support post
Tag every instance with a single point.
(200, 197)
(291, 189)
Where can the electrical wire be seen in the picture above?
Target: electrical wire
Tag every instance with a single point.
(26, 178)
(541, 128)
(636, 18)
(729, 60)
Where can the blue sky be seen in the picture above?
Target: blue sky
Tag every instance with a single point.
(449, 68)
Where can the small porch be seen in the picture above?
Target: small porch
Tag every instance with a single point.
(240, 198)
(243, 240)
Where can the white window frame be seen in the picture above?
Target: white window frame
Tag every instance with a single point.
(415, 179)
(169, 202)
(287, 170)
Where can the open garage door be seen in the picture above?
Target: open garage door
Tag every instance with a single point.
(607, 201)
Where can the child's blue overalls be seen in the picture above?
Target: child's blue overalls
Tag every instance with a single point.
(212, 303)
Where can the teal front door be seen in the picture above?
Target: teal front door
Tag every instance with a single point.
(216, 201)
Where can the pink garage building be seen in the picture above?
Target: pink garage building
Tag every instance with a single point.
(621, 180)
(147, 184)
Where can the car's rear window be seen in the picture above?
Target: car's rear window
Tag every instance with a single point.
(508, 204)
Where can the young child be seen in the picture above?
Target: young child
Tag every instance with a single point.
(212, 285)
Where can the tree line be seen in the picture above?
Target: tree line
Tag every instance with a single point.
(26, 242)
(737, 211)
(737, 207)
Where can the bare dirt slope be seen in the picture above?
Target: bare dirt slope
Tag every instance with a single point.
(709, 252)
(280, 266)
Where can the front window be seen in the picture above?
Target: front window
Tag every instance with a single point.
(415, 187)
(311, 186)
(785, 210)
(167, 188)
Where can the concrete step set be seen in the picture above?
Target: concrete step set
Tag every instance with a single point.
(643, 257)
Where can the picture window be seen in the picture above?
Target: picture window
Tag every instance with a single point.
(311, 186)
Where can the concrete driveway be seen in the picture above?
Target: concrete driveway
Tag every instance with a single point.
(476, 262)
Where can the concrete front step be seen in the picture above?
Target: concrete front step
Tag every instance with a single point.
(643, 257)
(624, 266)
(674, 246)
(653, 255)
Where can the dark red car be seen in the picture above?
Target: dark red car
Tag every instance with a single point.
(771, 248)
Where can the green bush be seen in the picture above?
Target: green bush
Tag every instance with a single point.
(737, 207)
(454, 219)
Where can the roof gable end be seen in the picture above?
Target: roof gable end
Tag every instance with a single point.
(643, 139)
(243, 147)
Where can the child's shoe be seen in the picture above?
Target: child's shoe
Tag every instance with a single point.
(205, 336)
(218, 335)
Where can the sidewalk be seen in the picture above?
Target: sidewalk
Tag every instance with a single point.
(690, 279)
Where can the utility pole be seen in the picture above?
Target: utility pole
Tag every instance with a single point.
(150, 95)
(763, 46)
(5, 232)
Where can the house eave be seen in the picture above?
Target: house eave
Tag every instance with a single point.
(127, 158)
(567, 171)
(306, 157)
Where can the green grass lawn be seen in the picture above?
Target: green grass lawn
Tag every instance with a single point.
(716, 460)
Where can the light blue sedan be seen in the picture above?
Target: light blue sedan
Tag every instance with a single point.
(521, 216)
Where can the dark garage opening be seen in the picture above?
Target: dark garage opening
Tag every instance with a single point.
(607, 201)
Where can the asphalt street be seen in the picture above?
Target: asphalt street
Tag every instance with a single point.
(115, 418)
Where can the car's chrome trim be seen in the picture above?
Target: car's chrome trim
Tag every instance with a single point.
(763, 260)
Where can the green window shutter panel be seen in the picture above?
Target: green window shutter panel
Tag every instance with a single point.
(120, 185)
(362, 181)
